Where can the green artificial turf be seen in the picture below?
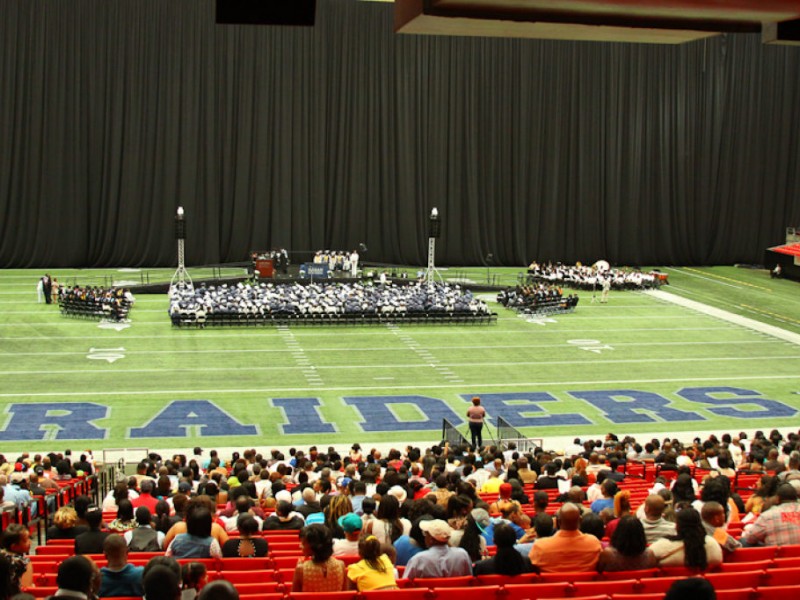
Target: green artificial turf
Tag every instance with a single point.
(635, 342)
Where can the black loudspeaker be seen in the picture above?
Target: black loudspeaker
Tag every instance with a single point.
(266, 12)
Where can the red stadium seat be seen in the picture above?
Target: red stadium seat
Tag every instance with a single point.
(658, 596)
(506, 579)
(345, 595)
(780, 577)
(237, 577)
(569, 576)
(437, 582)
(589, 588)
(656, 585)
(536, 590)
(731, 581)
(486, 592)
(638, 574)
(779, 592)
(792, 551)
(756, 565)
(405, 594)
(752, 554)
(740, 594)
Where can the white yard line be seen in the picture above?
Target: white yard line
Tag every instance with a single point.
(473, 386)
(350, 333)
(217, 351)
(724, 315)
(429, 361)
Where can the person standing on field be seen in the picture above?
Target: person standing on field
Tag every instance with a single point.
(476, 414)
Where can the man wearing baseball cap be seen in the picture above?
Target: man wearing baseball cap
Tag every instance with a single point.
(439, 560)
(351, 524)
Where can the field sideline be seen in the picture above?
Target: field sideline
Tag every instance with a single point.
(638, 364)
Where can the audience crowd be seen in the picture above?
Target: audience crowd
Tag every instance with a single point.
(584, 277)
(265, 300)
(92, 301)
(435, 512)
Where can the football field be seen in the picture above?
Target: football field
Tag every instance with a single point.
(640, 363)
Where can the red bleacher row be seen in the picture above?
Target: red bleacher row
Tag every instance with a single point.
(762, 573)
(68, 490)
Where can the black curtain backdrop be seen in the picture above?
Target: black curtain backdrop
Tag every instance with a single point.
(115, 112)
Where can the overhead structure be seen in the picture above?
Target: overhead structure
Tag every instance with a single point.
(181, 279)
(640, 21)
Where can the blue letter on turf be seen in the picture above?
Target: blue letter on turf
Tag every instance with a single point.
(54, 420)
(514, 408)
(770, 408)
(379, 417)
(627, 406)
(302, 416)
(176, 418)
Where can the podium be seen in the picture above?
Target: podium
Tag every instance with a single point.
(265, 267)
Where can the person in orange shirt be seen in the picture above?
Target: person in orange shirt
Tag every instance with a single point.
(569, 549)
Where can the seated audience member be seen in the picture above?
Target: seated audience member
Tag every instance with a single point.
(440, 559)
(593, 524)
(15, 543)
(690, 546)
(144, 538)
(609, 490)
(146, 497)
(244, 506)
(78, 578)
(284, 518)
(310, 503)
(351, 524)
(548, 481)
(778, 526)
(622, 508)
(121, 491)
(568, 549)
(197, 542)
(388, 525)
(470, 538)
(713, 515)
(249, 543)
(91, 542)
(219, 589)
(507, 560)
(162, 583)
(653, 521)
(628, 549)
(124, 520)
(319, 571)
(194, 577)
(217, 531)
(411, 544)
(542, 527)
(766, 490)
(119, 577)
(375, 570)
(65, 525)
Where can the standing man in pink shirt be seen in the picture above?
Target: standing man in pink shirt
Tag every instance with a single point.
(476, 414)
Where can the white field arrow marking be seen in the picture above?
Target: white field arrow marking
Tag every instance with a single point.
(595, 346)
(108, 354)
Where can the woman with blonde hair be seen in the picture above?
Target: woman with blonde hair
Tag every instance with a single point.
(375, 570)
(65, 525)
